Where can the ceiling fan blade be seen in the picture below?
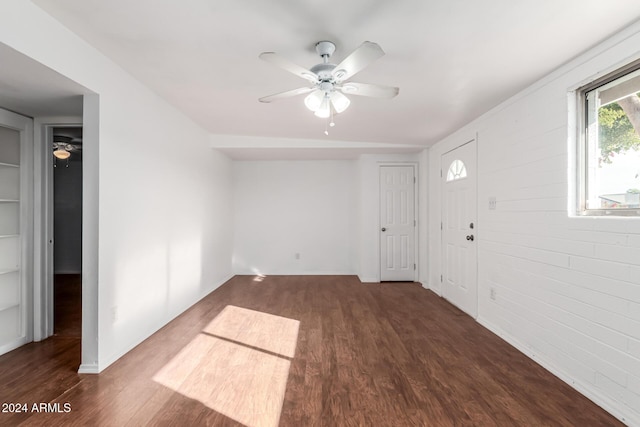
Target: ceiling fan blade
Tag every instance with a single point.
(364, 55)
(289, 66)
(287, 94)
(366, 89)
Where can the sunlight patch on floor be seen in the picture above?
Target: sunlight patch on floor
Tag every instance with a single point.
(274, 334)
(238, 366)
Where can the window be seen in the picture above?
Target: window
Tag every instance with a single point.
(457, 170)
(610, 169)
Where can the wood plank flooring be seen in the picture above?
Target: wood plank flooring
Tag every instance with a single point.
(389, 354)
(67, 301)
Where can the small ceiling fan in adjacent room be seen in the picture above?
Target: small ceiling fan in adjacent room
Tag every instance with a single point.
(328, 83)
(63, 146)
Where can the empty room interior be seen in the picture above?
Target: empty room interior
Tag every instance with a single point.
(298, 213)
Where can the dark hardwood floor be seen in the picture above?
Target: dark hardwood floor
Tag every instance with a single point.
(67, 301)
(389, 354)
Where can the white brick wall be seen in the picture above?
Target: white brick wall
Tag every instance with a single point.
(567, 288)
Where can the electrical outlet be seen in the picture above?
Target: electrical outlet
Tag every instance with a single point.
(492, 203)
(296, 255)
(114, 314)
(492, 293)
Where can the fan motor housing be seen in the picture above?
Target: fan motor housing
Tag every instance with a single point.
(323, 71)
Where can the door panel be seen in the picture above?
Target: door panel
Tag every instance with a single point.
(459, 228)
(397, 222)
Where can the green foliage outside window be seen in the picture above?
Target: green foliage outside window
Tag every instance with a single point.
(617, 134)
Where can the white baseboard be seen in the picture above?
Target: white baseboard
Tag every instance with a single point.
(18, 342)
(586, 390)
(365, 279)
(88, 369)
(295, 273)
(206, 292)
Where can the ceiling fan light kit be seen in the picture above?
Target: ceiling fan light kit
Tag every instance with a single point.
(314, 100)
(329, 81)
(63, 146)
(324, 110)
(339, 102)
(61, 153)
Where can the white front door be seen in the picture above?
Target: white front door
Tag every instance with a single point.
(459, 228)
(397, 223)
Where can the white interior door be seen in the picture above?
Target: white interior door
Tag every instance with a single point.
(459, 211)
(397, 223)
(15, 133)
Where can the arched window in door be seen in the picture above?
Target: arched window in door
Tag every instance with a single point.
(457, 170)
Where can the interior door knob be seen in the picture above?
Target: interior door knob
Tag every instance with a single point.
(470, 237)
(384, 229)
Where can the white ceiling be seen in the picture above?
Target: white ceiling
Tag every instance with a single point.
(452, 59)
(31, 89)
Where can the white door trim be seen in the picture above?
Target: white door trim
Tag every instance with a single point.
(43, 221)
(44, 212)
(416, 191)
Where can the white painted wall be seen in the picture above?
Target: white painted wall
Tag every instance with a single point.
(328, 211)
(286, 207)
(568, 289)
(158, 217)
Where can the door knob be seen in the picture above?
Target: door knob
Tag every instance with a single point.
(384, 229)
(470, 237)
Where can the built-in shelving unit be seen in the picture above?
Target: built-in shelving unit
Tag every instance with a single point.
(11, 286)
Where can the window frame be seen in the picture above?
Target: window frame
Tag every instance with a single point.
(583, 144)
(459, 176)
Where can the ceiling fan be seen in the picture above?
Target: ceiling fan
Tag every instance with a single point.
(329, 82)
(63, 146)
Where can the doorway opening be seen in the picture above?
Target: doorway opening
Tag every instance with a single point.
(67, 231)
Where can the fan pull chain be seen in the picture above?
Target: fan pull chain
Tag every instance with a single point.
(329, 122)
